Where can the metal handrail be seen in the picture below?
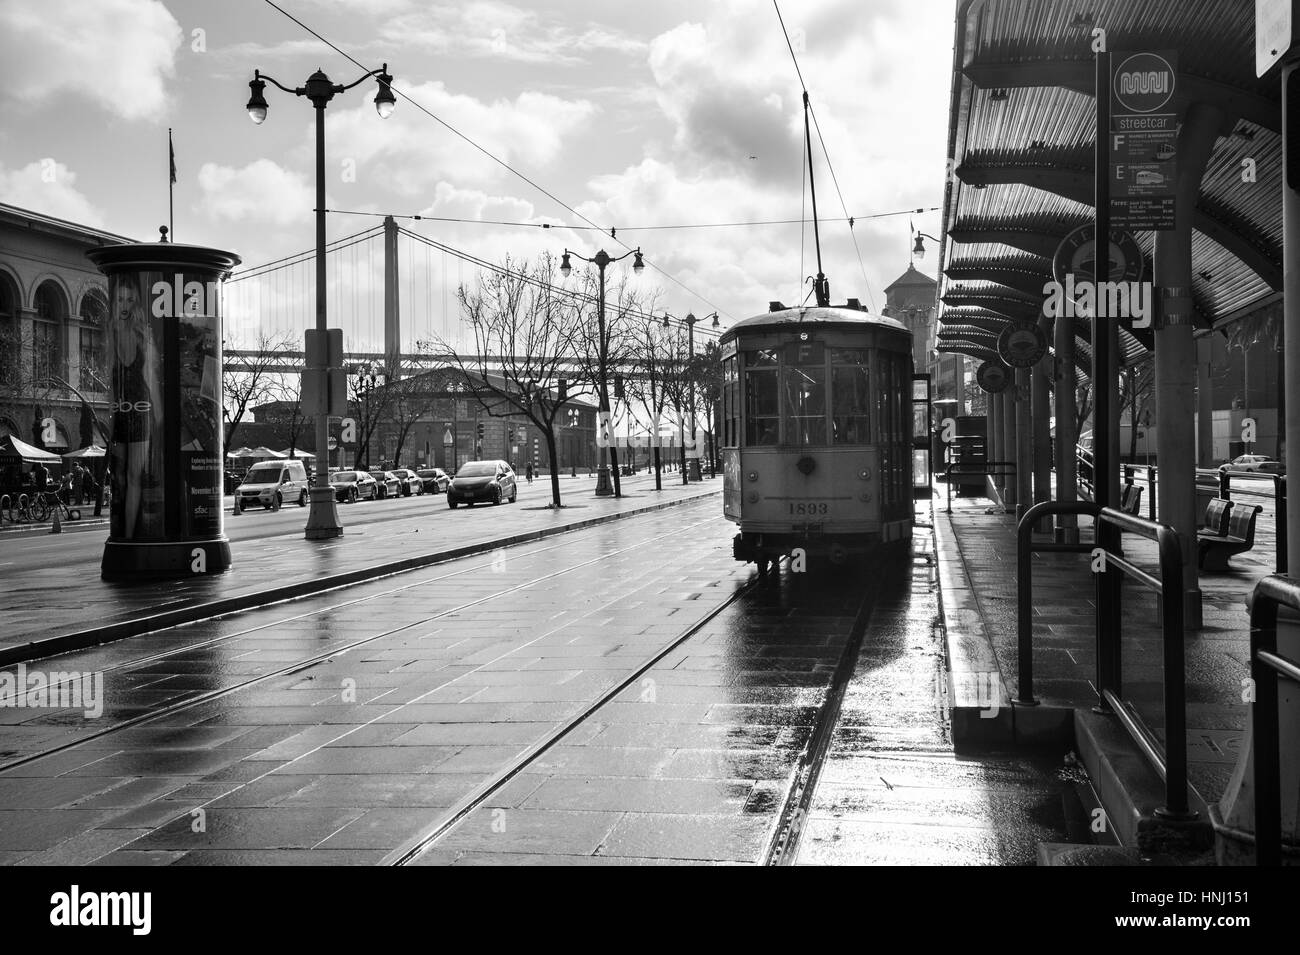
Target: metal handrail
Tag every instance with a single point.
(976, 467)
(1266, 668)
(1108, 527)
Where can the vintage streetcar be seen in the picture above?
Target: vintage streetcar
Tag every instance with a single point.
(816, 433)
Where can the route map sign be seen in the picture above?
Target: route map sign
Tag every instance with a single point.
(1143, 138)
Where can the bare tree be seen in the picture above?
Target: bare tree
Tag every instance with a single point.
(534, 333)
(369, 395)
(624, 313)
(252, 384)
(1135, 393)
(288, 412)
(410, 400)
(677, 383)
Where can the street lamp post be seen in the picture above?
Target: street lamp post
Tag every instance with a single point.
(368, 379)
(323, 519)
(574, 437)
(607, 451)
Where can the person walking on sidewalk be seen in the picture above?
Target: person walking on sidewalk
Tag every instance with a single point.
(528, 471)
(78, 485)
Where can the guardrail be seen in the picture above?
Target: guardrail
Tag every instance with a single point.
(974, 467)
(1109, 525)
(1266, 669)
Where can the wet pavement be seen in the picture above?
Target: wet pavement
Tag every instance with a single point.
(350, 727)
(53, 587)
(983, 542)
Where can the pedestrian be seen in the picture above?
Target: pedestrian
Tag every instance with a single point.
(78, 485)
(40, 477)
(529, 472)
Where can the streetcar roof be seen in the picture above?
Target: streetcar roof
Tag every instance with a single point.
(815, 315)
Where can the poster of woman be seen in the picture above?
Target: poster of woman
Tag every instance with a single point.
(137, 412)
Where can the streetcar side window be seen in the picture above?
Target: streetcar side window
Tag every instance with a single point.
(850, 399)
(762, 399)
(730, 404)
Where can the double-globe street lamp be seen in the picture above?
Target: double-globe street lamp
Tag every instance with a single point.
(691, 380)
(323, 519)
(602, 260)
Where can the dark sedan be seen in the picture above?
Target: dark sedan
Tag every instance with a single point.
(486, 481)
(435, 480)
(352, 486)
(387, 482)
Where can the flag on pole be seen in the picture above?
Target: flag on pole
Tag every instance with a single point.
(171, 154)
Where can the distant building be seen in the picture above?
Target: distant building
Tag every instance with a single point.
(53, 309)
(910, 299)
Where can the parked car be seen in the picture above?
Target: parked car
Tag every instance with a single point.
(1253, 462)
(486, 481)
(352, 486)
(389, 486)
(274, 483)
(409, 480)
(435, 480)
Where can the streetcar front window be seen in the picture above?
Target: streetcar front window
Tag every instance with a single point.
(850, 400)
(805, 405)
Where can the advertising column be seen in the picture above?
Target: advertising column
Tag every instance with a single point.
(165, 454)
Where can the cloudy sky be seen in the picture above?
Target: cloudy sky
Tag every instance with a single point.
(634, 114)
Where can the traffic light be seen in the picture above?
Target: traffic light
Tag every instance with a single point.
(480, 431)
(512, 435)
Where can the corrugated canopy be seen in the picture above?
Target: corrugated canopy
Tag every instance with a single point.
(1021, 130)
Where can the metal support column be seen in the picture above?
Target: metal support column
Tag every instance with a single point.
(1024, 444)
(1204, 403)
(1009, 486)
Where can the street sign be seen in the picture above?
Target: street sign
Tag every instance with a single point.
(333, 443)
(993, 377)
(1143, 140)
(1075, 254)
(1275, 25)
(323, 351)
(447, 438)
(1022, 344)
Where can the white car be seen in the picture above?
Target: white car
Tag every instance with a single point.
(1253, 462)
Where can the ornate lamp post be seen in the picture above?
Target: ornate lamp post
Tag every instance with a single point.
(323, 520)
(601, 260)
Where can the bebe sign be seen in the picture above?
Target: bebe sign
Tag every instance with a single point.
(178, 297)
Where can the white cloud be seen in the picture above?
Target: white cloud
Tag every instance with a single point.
(262, 191)
(409, 152)
(119, 53)
(48, 187)
(503, 31)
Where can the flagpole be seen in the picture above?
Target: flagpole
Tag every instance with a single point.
(171, 185)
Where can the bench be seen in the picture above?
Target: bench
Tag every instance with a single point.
(1131, 500)
(1230, 529)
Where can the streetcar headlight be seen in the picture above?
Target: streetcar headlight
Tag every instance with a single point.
(865, 496)
(865, 474)
(753, 475)
(753, 498)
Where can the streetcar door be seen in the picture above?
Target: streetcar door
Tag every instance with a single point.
(921, 437)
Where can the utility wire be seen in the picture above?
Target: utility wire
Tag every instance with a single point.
(501, 162)
(639, 228)
(804, 86)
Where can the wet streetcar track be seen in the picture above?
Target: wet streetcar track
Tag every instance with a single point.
(315, 659)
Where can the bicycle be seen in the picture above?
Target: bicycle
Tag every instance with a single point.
(47, 502)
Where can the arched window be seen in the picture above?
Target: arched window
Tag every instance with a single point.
(93, 312)
(10, 335)
(47, 331)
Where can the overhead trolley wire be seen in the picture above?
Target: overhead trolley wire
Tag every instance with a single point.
(501, 162)
(825, 152)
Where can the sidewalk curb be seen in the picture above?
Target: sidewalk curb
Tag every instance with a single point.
(94, 636)
(980, 703)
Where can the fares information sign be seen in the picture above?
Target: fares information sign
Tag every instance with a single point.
(1143, 140)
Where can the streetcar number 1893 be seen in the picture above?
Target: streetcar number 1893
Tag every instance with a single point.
(807, 508)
